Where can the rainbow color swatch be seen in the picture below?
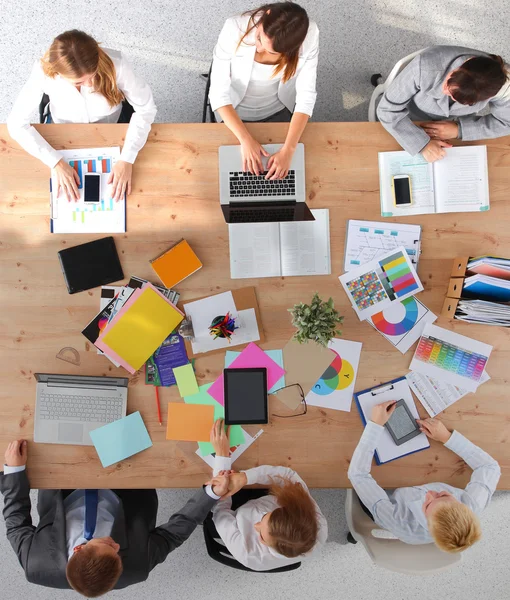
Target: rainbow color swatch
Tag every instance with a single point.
(406, 324)
(338, 376)
(449, 357)
(396, 276)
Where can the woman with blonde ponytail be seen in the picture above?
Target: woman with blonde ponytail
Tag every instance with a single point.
(276, 530)
(85, 84)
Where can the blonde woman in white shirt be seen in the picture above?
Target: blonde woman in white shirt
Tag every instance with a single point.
(85, 84)
(264, 69)
(273, 531)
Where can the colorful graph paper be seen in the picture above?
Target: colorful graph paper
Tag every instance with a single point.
(366, 290)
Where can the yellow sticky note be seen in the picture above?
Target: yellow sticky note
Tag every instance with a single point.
(142, 327)
(186, 380)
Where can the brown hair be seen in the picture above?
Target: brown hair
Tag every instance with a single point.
(293, 526)
(286, 25)
(92, 573)
(478, 79)
(454, 527)
(74, 54)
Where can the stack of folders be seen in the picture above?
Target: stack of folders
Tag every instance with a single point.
(481, 311)
(139, 328)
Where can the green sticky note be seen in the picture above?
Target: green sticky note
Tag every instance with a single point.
(236, 432)
(186, 380)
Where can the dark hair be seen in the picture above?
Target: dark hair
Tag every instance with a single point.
(478, 79)
(92, 573)
(286, 25)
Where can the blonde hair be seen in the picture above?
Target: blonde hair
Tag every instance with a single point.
(74, 54)
(454, 527)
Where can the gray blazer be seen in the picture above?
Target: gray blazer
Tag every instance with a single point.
(417, 91)
(42, 550)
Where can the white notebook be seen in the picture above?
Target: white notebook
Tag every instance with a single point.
(457, 183)
(280, 249)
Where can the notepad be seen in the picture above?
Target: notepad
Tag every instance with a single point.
(176, 263)
(121, 439)
(186, 380)
(139, 328)
(189, 422)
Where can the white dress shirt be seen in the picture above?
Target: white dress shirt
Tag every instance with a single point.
(261, 99)
(401, 511)
(236, 528)
(233, 64)
(68, 105)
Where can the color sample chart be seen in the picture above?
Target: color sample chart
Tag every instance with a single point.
(451, 358)
(403, 326)
(366, 290)
(396, 276)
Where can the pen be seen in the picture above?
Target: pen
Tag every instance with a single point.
(157, 404)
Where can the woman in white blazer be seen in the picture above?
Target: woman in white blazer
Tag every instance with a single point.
(85, 84)
(264, 69)
(280, 529)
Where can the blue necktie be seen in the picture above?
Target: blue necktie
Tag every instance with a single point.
(91, 501)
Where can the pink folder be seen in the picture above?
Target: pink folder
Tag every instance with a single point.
(251, 356)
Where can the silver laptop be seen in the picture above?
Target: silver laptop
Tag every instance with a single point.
(247, 198)
(68, 407)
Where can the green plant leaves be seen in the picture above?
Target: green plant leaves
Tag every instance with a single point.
(316, 321)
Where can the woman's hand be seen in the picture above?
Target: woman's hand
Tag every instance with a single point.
(434, 429)
(278, 164)
(220, 439)
(441, 130)
(67, 180)
(120, 178)
(434, 150)
(236, 482)
(251, 151)
(381, 413)
(220, 483)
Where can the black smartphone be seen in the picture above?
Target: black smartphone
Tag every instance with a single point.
(402, 426)
(92, 187)
(402, 190)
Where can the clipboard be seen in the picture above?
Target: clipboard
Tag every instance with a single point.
(244, 298)
(392, 390)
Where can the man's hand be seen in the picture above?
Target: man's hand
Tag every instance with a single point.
(16, 454)
(220, 483)
(434, 150)
(434, 429)
(441, 130)
(220, 439)
(120, 178)
(236, 482)
(382, 412)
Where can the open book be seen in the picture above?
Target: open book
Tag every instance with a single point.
(457, 183)
(280, 249)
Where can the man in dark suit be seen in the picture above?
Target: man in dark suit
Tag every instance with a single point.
(93, 540)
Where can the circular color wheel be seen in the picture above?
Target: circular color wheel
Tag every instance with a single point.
(338, 376)
(403, 326)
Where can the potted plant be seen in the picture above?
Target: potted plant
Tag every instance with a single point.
(316, 321)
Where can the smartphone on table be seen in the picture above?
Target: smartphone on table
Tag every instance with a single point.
(92, 188)
(401, 186)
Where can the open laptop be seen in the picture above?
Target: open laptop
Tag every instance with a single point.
(68, 407)
(247, 198)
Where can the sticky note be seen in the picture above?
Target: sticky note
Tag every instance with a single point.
(186, 380)
(189, 422)
(236, 431)
(120, 439)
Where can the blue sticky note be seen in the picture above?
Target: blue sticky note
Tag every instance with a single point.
(276, 355)
(119, 440)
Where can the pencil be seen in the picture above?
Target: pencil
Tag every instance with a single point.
(157, 404)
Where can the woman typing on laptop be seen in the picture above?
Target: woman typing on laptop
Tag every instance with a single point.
(264, 70)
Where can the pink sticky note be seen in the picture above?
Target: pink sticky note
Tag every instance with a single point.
(251, 356)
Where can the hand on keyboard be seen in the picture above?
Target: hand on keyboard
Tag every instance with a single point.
(279, 164)
(251, 152)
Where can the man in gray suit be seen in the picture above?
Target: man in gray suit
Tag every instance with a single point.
(93, 540)
(452, 85)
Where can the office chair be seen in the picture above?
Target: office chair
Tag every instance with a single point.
(219, 552)
(393, 554)
(207, 110)
(380, 85)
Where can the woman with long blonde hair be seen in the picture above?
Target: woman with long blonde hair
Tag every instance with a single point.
(264, 70)
(85, 84)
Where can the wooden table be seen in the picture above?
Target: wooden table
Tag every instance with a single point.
(175, 195)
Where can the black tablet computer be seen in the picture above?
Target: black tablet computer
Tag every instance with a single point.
(402, 425)
(245, 396)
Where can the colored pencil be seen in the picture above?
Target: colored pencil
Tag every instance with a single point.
(158, 405)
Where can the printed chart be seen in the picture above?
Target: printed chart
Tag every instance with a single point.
(396, 276)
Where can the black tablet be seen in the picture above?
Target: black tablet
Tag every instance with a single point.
(90, 265)
(402, 425)
(245, 396)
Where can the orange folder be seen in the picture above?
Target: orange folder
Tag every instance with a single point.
(189, 422)
(176, 264)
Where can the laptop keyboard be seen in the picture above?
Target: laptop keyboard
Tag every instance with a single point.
(59, 407)
(260, 215)
(246, 185)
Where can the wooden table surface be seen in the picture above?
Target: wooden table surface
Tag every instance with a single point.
(175, 195)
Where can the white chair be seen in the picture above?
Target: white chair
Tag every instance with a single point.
(392, 554)
(380, 85)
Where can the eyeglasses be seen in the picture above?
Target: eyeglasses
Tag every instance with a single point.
(299, 390)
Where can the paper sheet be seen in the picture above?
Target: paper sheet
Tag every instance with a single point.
(335, 387)
(276, 355)
(235, 451)
(189, 422)
(435, 395)
(120, 439)
(186, 380)
(254, 250)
